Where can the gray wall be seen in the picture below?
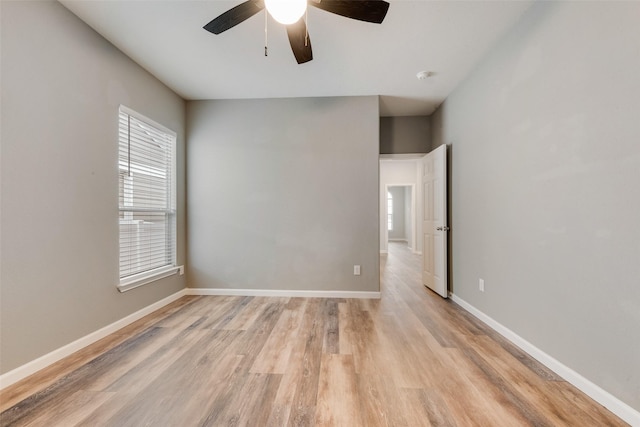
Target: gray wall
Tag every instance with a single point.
(403, 135)
(545, 139)
(283, 193)
(61, 88)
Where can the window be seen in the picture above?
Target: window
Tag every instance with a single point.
(389, 211)
(147, 200)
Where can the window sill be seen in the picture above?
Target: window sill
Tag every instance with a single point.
(141, 279)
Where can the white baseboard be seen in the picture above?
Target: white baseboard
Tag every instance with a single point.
(606, 399)
(283, 293)
(417, 252)
(48, 359)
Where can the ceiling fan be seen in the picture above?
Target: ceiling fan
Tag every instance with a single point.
(363, 10)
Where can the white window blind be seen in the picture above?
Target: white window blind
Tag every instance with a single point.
(147, 199)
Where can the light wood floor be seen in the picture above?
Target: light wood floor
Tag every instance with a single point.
(409, 359)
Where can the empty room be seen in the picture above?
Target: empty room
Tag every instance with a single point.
(319, 212)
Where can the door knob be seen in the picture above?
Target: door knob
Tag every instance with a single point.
(444, 228)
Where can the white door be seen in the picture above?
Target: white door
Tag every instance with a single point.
(434, 220)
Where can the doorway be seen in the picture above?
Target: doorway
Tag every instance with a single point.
(400, 225)
(401, 214)
(401, 176)
(413, 215)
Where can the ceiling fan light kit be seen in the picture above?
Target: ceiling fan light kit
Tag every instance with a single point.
(290, 13)
(286, 12)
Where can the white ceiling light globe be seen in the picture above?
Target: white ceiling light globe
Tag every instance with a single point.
(286, 11)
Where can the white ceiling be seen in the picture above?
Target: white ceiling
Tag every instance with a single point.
(351, 58)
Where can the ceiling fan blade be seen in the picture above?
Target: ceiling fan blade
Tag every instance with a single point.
(362, 10)
(300, 41)
(234, 16)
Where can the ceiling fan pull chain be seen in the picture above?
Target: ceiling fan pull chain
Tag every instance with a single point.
(306, 24)
(266, 38)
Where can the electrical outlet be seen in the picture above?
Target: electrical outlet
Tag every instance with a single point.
(356, 270)
(181, 270)
(481, 285)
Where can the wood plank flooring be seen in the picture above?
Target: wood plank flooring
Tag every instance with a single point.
(408, 359)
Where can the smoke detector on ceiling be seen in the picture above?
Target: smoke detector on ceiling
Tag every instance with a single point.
(424, 74)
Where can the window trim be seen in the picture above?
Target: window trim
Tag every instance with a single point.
(136, 280)
(140, 279)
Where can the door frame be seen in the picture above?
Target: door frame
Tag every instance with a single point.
(414, 220)
(383, 235)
